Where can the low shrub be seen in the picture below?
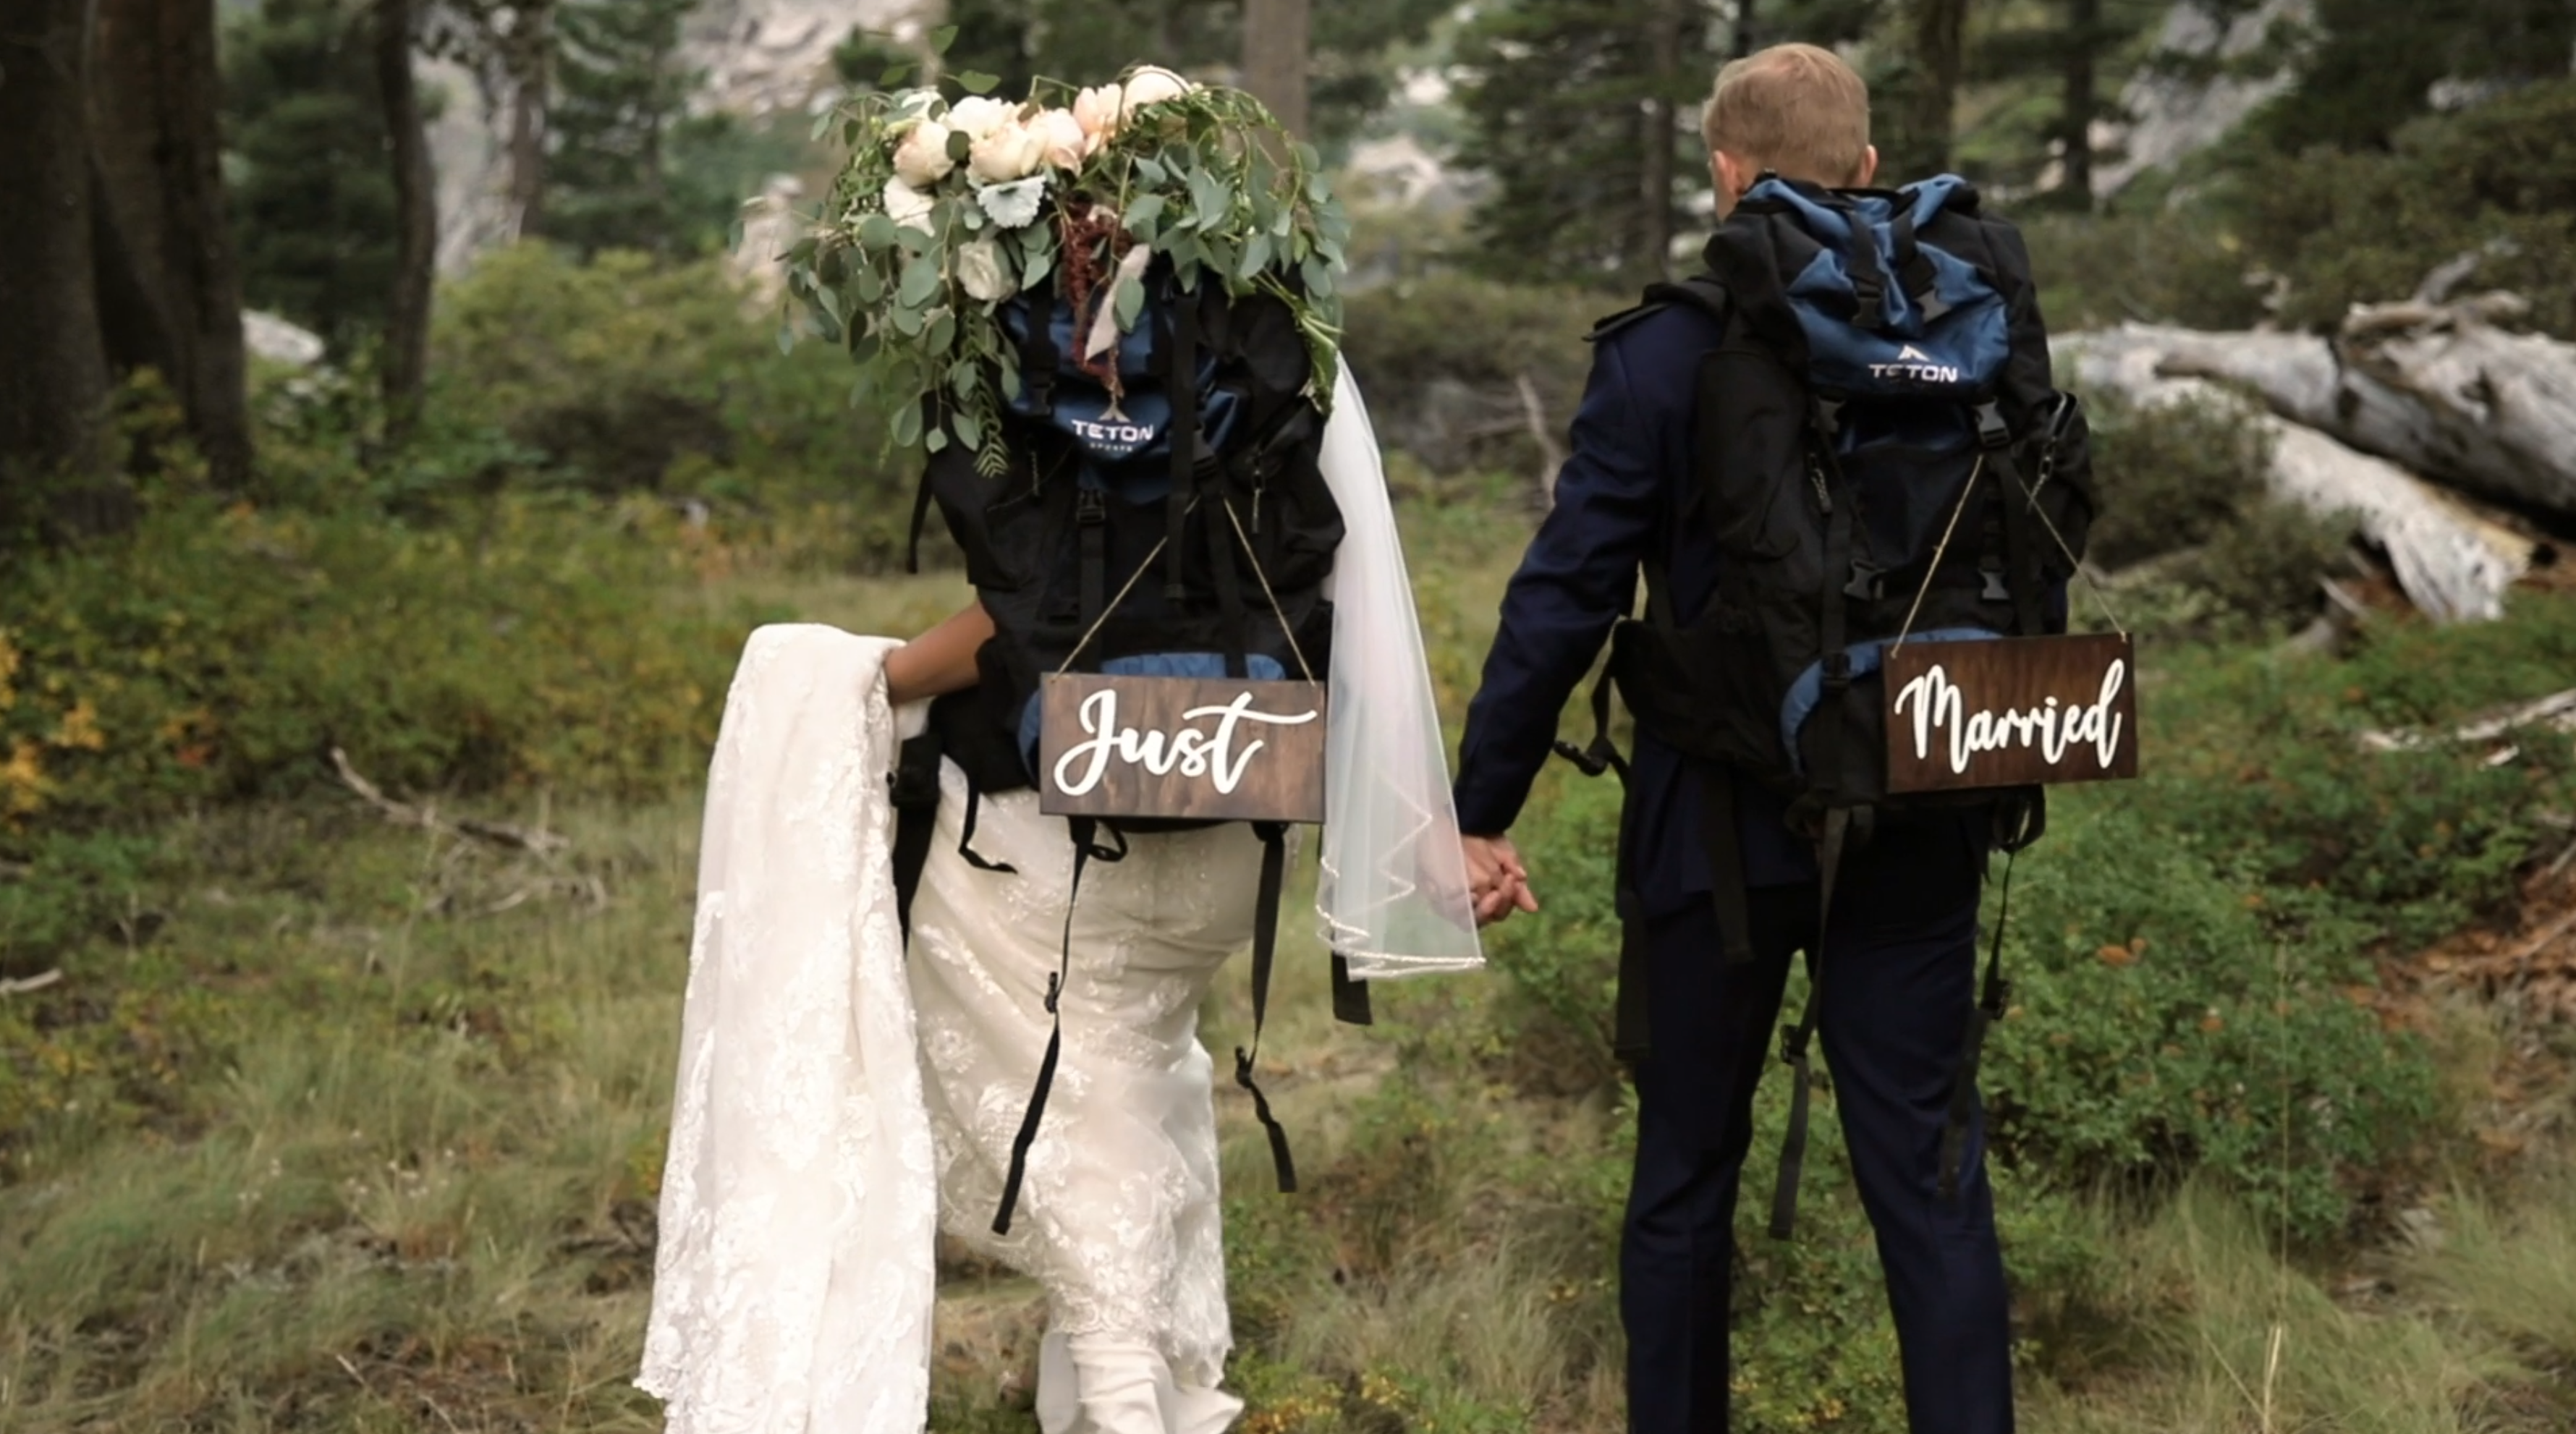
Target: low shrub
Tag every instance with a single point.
(2185, 947)
(1443, 358)
(625, 374)
(2187, 511)
(220, 652)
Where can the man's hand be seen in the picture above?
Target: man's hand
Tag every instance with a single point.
(1496, 880)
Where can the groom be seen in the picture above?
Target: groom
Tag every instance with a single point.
(1905, 911)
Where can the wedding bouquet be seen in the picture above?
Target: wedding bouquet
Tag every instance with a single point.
(949, 210)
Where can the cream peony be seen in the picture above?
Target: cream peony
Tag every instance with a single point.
(921, 160)
(1096, 110)
(979, 269)
(907, 206)
(1068, 143)
(1008, 153)
(1151, 86)
(979, 115)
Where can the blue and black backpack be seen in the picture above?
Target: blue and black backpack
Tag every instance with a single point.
(1882, 453)
(1176, 524)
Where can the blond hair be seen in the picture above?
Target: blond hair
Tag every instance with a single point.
(1796, 110)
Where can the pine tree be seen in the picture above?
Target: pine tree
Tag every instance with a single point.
(2366, 67)
(2056, 80)
(313, 196)
(620, 96)
(1577, 108)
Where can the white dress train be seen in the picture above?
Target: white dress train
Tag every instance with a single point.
(1118, 1216)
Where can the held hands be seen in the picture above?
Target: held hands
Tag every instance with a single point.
(1496, 880)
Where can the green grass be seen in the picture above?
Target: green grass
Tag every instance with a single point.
(343, 1126)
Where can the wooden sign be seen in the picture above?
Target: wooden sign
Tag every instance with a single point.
(2013, 712)
(1181, 748)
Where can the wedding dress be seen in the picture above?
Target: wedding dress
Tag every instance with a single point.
(836, 1104)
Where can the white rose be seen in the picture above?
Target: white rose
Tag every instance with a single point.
(1151, 86)
(979, 115)
(921, 160)
(1009, 153)
(1096, 110)
(907, 206)
(979, 269)
(1068, 143)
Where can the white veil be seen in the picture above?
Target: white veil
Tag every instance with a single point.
(1393, 893)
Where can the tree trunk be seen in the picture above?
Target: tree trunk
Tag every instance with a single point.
(416, 209)
(531, 55)
(2083, 35)
(1277, 36)
(154, 112)
(1939, 30)
(1663, 39)
(53, 361)
(1746, 30)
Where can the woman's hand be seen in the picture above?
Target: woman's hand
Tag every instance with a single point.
(941, 660)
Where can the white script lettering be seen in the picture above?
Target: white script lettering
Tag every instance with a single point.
(1194, 753)
(1940, 709)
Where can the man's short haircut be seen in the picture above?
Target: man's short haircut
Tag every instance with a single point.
(1797, 110)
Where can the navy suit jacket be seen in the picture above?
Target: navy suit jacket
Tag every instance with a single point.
(1619, 500)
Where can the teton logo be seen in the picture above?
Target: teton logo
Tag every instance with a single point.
(1914, 365)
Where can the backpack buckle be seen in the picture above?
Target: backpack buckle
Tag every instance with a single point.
(1995, 591)
(1992, 432)
(1868, 584)
(1090, 506)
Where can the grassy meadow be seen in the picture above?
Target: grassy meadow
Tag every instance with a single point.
(333, 1123)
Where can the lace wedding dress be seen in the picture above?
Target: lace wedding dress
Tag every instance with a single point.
(836, 1104)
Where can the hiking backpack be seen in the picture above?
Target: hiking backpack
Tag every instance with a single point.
(1162, 514)
(1883, 457)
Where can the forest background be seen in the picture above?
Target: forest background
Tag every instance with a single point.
(358, 664)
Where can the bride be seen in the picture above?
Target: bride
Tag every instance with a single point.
(837, 1102)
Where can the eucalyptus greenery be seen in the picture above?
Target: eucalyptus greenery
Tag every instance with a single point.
(912, 277)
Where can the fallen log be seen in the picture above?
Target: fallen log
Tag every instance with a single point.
(2435, 387)
(2453, 565)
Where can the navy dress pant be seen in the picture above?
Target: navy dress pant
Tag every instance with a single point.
(1898, 984)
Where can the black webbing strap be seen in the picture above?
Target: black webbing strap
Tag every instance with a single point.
(913, 791)
(1221, 540)
(1602, 755)
(1914, 269)
(1091, 526)
(1038, 359)
(2021, 528)
(1351, 1005)
(966, 834)
(1793, 1046)
(1265, 949)
(1086, 849)
(1723, 835)
(920, 520)
(1869, 279)
(1989, 1011)
(1632, 1027)
(1181, 381)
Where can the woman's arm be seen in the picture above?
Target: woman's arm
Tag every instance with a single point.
(941, 660)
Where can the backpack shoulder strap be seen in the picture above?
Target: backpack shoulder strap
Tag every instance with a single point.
(1703, 292)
